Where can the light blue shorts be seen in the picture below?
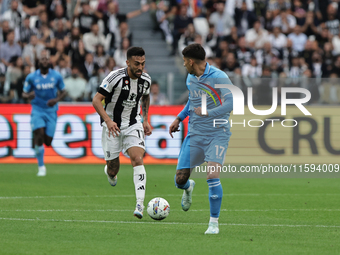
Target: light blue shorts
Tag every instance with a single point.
(197, 149)
(44, 119)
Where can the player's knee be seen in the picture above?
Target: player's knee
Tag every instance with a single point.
(136, 160)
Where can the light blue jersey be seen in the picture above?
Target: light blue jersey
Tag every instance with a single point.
(45, 88)
(204, 142)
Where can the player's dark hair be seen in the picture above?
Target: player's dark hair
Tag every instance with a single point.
(135, 51)
(194, 51)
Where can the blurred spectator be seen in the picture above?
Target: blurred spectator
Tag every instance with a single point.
(78, 55)
(99, 56)
(26, 31)
(230, 66)
(86, 17)
(298, 39)
(295, 70)
(244, 19)
(56, 9)
(33, 7)
(276, 5)
(268, 20)
(13, 16)
(112, 20)
(13, 74)
(252, 70)
(288, 54)
(75, 38)
(309, 27)
(222, 20)
(285, 20)
(327, 60)
(62, 68)
(32, 51)
(94, 82)
(157, 97)
(9, 49)
(124, 32)
(89, 65)
(299, 12)
(187, 38)
(120, 54)
(46, 36)
(59, 16)
(163, 12)
(5, 30)
(316, 65)
(277, 39)
(60, 31)
(75, 86)
(181, 22)
(59, 52)
(323, 37)
(92, 39)
(211, 38)
(332, 22)
(256, 36)
(232, 39)
(264, 56)
(42, 20)
(208, 51)
(243, 54)
(336, 44)
(110, 66)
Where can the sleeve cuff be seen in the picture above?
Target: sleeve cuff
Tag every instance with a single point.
(103, 92)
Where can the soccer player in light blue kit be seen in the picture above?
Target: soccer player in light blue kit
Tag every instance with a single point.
(42, 88)
(204, 141)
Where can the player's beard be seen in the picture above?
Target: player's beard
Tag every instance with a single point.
(136, 74)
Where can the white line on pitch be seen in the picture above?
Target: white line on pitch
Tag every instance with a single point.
(198, 210)
(169, 223)
(168, 195)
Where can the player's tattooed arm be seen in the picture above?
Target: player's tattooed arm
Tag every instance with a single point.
(145, 106)
(145, 109)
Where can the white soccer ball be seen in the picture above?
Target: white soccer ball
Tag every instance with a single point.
(158, 208)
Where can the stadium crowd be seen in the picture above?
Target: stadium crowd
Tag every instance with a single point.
(258, 43)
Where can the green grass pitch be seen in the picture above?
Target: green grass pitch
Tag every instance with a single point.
(74, 210)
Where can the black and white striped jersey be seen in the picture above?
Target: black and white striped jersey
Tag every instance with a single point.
(122, 96)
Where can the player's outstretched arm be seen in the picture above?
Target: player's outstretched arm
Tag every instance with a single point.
(111, 125)
(145, 110)
(174, 127)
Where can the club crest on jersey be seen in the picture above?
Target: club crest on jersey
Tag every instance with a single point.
(126, 82)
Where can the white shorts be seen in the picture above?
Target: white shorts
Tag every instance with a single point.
(132, 136)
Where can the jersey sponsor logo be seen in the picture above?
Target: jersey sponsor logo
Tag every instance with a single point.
(45, 86)
(131, 102)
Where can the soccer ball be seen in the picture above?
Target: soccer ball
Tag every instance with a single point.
(158, 208)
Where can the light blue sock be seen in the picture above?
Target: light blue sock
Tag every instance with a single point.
(184, 186)
(215, 196)
(39, 153)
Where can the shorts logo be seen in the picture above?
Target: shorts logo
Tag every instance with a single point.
(108, 154)
(141, 177)
(141, 143)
